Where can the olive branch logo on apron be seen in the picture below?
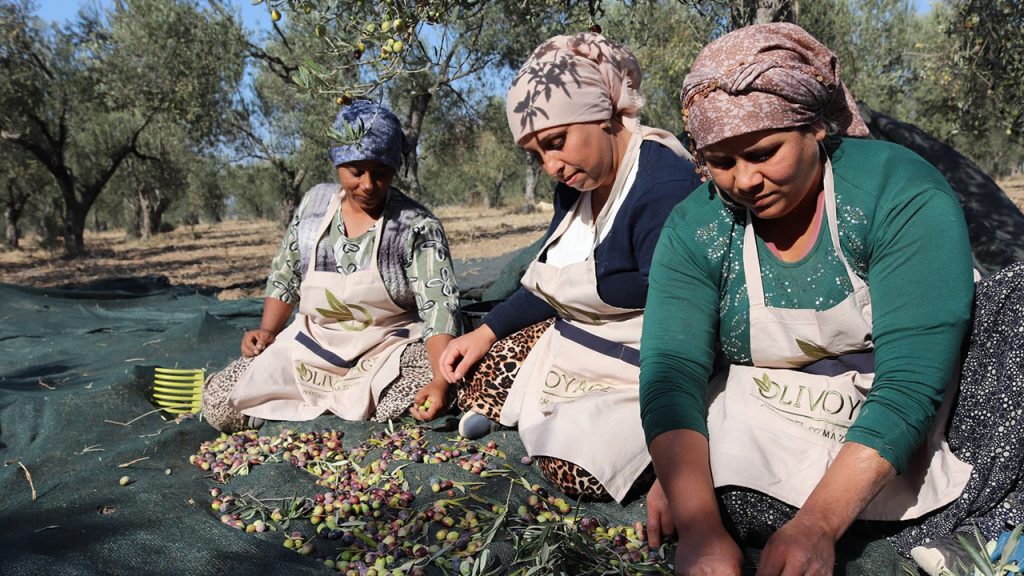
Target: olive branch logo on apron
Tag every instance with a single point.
(345, 315)
(764, 383)
(571, 312)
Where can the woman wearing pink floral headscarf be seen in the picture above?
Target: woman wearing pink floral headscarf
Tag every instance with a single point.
(833, 275)
(560, 358)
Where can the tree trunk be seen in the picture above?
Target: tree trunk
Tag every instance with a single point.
(417, 113)
(493, 199)
(14, 204)
(747, 12)
(156, 219)
(11, 215)
(532, 177)
(152, 205)
(74, 229)
(294, 197)
(145, 223)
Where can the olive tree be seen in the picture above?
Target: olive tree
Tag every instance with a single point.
(986, 64)
(21, 181)
(78, 99)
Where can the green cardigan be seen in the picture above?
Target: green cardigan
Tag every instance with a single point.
(902, 231)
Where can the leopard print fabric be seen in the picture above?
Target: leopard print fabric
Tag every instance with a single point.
(486, 387)
(216, 390)
(576, 482)
(415, 372)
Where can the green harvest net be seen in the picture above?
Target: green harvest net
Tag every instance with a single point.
(75, 415)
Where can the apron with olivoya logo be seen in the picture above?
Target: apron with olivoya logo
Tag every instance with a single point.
(340, 352)
(776, 426)
(576, 396)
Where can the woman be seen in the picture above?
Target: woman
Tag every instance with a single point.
(559, 357)
(833, 276)
(369, 269)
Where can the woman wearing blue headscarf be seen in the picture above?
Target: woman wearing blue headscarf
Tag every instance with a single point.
(370, 272)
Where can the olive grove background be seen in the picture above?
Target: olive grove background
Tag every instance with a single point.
(150, 114)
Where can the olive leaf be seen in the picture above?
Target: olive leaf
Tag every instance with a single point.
(976, 550)
(302, 370)
(342, 313)
(1011, 545)
(570, 312)
(813, 351)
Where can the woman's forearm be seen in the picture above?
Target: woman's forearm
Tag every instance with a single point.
(683, 467)
(856, 476)
(275, 315)
(435, 347)
(684, 471)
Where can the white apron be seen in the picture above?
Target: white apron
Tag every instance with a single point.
(776, 426)
(340, 352)
(576, 396)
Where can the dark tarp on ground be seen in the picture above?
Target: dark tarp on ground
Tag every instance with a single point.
(73, 359)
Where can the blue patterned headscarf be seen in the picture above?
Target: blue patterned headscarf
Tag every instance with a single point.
(382, 138)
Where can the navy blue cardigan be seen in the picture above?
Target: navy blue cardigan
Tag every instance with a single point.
(623, 258)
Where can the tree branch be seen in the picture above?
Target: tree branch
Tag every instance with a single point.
(93, 189)
(277, 65)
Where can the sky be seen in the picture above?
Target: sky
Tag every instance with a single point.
(253, 17)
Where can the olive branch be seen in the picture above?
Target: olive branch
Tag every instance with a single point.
(342, 313)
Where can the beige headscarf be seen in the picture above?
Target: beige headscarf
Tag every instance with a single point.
(766, 76)
(575, 79)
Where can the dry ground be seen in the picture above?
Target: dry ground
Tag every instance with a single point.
(235, 256)
(1014, 188)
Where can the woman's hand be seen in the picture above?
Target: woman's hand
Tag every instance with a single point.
(430, 401)
(801, 548)
(704, 552)
(659, 516)
(275, 316)
(707, 551)
(256, 341)
(682, 462)
(806, 545)
(464, 352)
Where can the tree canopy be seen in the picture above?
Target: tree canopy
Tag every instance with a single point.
(150, 113)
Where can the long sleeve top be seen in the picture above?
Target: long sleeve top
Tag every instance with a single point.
(414, 260)
(902, 231)
(623, 258)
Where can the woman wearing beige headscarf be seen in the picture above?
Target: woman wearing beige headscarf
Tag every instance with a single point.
(560, 358)
(833, 275)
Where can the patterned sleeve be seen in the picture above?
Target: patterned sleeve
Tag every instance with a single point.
(285, 270)
(432, 277)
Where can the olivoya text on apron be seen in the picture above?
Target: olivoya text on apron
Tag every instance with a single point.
(341, 351)
(576, 396)
(776, 426)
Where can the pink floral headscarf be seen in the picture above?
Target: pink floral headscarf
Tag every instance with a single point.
(581, 78)
(574, 79)
(766, 76)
